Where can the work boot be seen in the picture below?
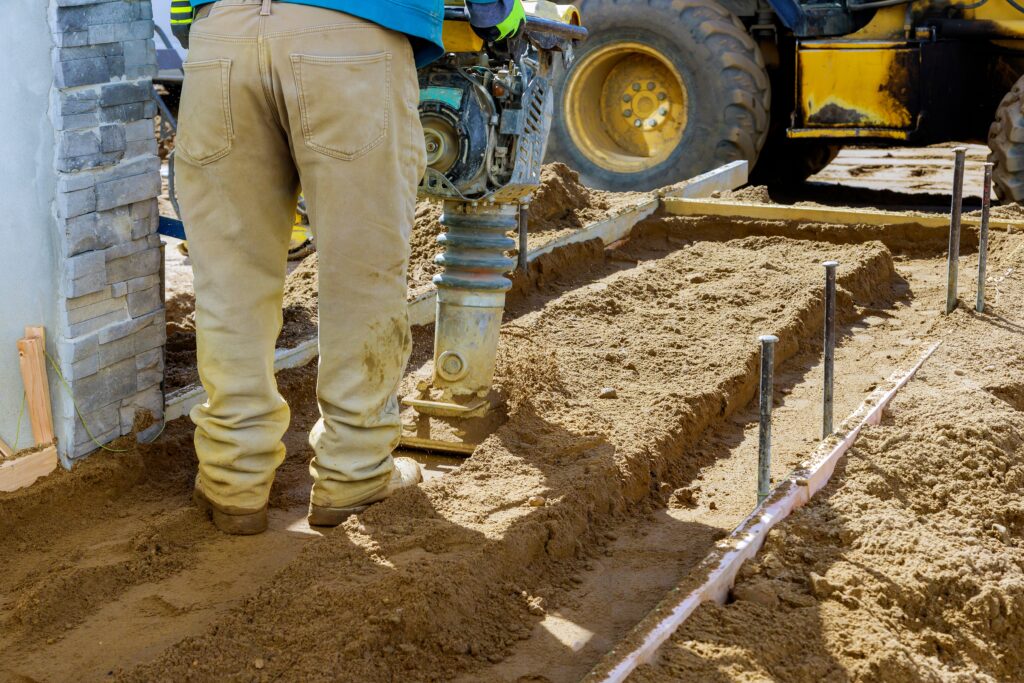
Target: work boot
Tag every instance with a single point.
(228, 519)
(406, 473)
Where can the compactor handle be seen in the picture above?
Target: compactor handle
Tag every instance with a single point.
(534, 25)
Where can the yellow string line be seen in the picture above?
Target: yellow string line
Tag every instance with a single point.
(78, 411)
(17, 432)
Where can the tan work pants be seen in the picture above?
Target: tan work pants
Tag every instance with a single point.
(312, 96)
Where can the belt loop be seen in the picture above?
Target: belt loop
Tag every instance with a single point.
(265, 8)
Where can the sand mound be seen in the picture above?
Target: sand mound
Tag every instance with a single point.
(446, 577)
(561, 205)
(909, 566)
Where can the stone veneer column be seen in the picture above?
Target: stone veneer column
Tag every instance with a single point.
(111, 331)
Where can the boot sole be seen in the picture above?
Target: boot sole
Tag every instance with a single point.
(244, 524)
(331, 517)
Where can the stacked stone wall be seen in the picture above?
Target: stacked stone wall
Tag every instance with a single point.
(111, 336)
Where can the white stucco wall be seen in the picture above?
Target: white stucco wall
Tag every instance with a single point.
(28, 261)
(162, 18)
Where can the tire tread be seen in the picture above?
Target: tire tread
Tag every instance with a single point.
(746, 89)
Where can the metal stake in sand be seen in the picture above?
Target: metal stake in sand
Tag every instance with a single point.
(954, 228)
(986, 190)
(524, 221)
(830, 347)
(764, 433)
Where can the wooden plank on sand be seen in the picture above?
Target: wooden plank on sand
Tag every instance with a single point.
(31, 356)
(23, 471)
(815, 214)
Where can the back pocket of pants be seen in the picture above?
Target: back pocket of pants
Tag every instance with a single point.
(344, 102)
(205, 132)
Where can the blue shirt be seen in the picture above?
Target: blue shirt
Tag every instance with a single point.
(420, 20)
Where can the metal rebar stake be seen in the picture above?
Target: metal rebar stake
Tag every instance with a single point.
(524, 222)
(953, 261)
(986, 190)
(830, 347)
(764, 433)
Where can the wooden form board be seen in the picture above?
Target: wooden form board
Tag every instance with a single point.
(23, 471)
(32, 357)
(680, 206)
(18, 472)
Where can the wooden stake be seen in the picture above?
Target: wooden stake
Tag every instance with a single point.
(6, 450)
(33, 373)
(815, 214)
(16, 474)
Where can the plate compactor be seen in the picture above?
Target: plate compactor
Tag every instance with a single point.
(486, 111)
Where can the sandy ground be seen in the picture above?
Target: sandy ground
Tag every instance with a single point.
(560, 206)
(920, 171)
(111, 574)
(477, 583)
(909, 566)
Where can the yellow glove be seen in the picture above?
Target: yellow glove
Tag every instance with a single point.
(497, 20)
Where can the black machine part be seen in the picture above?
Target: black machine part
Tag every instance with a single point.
(486, 114)
(456, 118)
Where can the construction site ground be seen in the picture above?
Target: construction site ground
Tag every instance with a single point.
(534, 558)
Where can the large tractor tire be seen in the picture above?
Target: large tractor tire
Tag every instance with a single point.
(1006, 145)
(661, 91)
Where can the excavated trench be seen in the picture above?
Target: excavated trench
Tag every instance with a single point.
(909, 566)
(448, 578)
(468, 575)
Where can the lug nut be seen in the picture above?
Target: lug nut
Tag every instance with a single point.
(638, 123)
(662, 96)
(627, 113)
(627, 97)
(650, 85)
(636, 86)
(652, 123)
(663, 111)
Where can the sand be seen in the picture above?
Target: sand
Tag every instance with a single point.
(110, 573)
(459, 558)
(446, 578)
(561, 205)
(909, 566)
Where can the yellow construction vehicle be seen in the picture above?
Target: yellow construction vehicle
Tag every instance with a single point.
(665, 89)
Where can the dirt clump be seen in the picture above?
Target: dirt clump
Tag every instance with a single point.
(300, 304)
(424, 247)
(180, 349)
(563, 202)
(750, 193)
(1011, 211)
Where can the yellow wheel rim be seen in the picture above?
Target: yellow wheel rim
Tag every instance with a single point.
(625, 106)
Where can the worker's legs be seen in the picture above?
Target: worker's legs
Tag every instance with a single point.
(350, 95)
(238, 186)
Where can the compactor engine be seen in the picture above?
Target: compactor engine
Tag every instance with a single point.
(486, 111)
